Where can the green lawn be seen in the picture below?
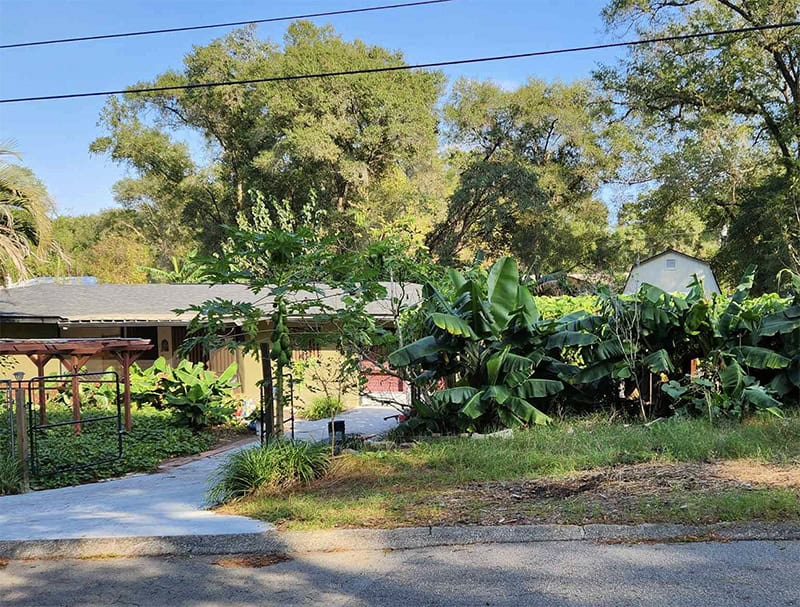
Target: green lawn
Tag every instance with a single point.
(153, 438)
(582, 470)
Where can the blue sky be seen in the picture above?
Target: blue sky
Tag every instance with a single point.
(54, 136)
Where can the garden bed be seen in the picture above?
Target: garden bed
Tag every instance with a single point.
(579, 471)
(153, 438)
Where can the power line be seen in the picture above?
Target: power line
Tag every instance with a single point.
(190, 28)
(398, 68)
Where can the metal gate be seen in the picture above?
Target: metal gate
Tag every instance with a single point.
(267, 419)
(95, 417)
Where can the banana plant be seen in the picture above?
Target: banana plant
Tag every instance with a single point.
(485, 360)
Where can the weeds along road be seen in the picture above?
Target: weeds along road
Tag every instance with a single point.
(753, 573)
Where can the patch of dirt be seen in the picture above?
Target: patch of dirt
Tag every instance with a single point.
(678, 539)
(252, 561)
(757, 473)
(614, 494)
(3, 563)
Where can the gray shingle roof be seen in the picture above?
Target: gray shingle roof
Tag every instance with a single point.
(150, 302)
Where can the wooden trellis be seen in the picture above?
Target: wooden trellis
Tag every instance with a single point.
(74, 354)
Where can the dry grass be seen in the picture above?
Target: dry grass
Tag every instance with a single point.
(579, 472)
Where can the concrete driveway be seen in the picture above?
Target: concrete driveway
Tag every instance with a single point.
(165, 503)
(569, 574)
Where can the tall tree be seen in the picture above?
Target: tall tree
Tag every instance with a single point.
(740, 90)
(109, 245)
(530, 163)
(25, 231)
(329, 142)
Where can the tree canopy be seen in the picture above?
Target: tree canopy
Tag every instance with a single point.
(692, 144)
(721, 118)
(25, 207)
(328, 143)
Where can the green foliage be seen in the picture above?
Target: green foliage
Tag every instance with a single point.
(278, 465)
(489, 350)
(326, 144)
(486, 358)
(198, 397)
(99, 394)
(555, 307)
(719, 128)
(529, 163)
(323, 407)
(154, 437)
(10, 474)
(25, 226)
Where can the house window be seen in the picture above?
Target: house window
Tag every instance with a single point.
(671, 264)
(308, 349)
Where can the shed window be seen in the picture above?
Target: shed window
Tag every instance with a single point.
(671, 264)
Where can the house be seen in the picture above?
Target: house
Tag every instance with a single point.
(671, 271)
(75, 308)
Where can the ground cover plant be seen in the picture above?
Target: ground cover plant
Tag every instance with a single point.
(155, 436)
(580, 470)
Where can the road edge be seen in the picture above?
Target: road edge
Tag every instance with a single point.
(289, 542)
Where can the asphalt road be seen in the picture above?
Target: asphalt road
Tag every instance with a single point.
(546, 573)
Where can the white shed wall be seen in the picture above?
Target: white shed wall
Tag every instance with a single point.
(672, 273)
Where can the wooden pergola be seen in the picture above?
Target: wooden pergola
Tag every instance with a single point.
(74, 354)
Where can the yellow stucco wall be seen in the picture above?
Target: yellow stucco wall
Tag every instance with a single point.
(249, 366)
(328, 358)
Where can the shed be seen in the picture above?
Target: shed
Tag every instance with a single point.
(671, 271)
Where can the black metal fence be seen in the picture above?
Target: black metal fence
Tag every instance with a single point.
(74, 439)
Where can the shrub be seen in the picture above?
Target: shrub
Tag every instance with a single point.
(554, 307)
(277, 465)
(323, 407)
(198, 397)
(489, 357)
(10, 475)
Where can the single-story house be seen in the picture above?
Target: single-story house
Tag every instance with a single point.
(671, 271)
(81, 307)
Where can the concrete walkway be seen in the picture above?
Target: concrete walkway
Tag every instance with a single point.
(162, 504)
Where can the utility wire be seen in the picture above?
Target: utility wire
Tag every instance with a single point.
(190, 28)
(399, 68)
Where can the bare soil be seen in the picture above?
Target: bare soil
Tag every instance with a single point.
(252, 561)
(614, 494)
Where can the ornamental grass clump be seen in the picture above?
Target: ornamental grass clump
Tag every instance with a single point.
(279, 465)
(323, 407)
(10, 475)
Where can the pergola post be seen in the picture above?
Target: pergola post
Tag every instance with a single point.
(75, 362)
(40, 360)
(126, 358)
